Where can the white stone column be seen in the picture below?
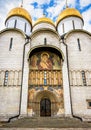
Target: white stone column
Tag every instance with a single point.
(24, 96)
(66, 87)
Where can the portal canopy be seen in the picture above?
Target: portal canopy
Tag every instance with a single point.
(47, 48)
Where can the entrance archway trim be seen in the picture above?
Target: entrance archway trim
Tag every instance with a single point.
(47, 46)
(54, 94)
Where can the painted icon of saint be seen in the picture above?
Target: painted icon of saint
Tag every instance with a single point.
(45, 62)
(34, 59)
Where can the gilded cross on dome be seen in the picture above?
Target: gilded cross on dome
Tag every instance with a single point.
(44, 15)
(21, 3)
(66, 4)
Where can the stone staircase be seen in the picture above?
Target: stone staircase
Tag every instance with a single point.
(46, 122)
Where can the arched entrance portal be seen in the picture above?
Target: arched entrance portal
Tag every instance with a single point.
(45, 107)
(45, 93)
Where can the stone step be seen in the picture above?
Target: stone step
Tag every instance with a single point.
(46, 122)
(45, 128)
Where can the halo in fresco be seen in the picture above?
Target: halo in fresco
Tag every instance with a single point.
(45, 61)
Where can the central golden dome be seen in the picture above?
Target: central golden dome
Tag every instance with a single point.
(45, 20)
(19, 11)
(69, 12)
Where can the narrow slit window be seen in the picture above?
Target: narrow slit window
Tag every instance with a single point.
(6, 78)
(25, 27)
(84, 78)
(15, 24)
(45, 41)
(63, 27)
(73, 24)
(79, 45)
(11, 42)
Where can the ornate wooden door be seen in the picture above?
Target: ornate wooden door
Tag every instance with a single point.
(45, 107)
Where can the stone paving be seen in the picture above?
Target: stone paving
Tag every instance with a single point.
(46, 124)
(45, 128)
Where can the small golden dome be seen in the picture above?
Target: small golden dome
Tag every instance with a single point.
(45, 20)
(67, 13)
(19, 11)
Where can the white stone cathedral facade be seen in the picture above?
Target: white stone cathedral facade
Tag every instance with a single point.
(45, 67)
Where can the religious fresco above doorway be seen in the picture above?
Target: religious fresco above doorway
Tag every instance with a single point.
(45, 61)
(45, 69)
(45, 77)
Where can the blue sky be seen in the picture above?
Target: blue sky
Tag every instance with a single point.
(51, 8)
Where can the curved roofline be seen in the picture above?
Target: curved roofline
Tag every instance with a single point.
(47, 46)
(44, 20)
(53, 93)
(21, 12)
(19, 16)
(77, 30)
(14, 29)
(67, 17)
(45, 29)
(68, 12)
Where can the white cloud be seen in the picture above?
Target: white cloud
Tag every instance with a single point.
(9, 6)
(72, 3)
(53, 11)
(4, 10)
(60, 4)
(87, 19)
(40, 2)
(84, 3)
(2, 25)
(35, 13)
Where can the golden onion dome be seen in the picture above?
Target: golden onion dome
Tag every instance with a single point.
(67, 13)
(44, 20)
(19, 11)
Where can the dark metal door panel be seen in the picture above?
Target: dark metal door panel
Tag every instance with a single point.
(45, 107)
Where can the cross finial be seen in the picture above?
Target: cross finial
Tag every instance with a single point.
(21, 3)
(66, 4)
(44, 14)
